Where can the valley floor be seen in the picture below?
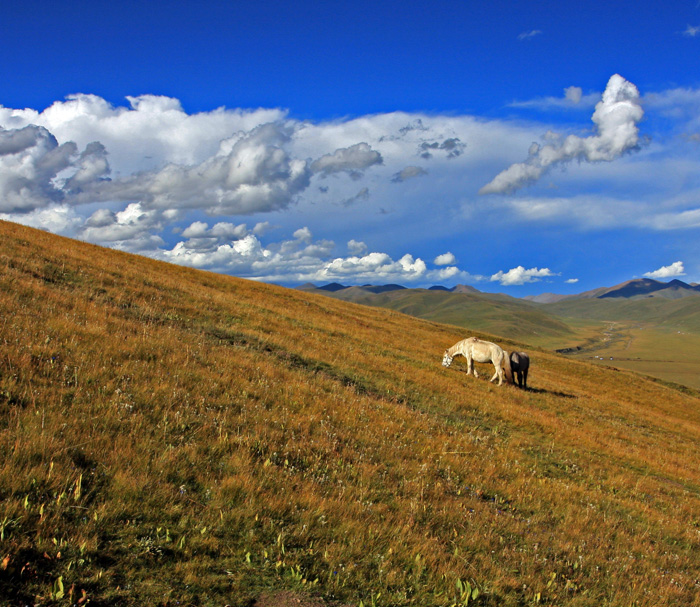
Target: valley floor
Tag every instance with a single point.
(672, 356)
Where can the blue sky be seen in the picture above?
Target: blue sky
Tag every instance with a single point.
(517, 147)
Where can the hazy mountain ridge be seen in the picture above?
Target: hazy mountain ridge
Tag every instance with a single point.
(635, 288)
(539, 319)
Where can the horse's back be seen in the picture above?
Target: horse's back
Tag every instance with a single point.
(525, 360)
(520, 360)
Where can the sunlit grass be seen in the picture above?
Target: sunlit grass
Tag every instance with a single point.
(174, 436)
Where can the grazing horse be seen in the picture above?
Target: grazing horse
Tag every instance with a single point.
(520, 363)
(474, 349)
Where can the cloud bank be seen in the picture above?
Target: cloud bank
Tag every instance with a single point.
(246, 191)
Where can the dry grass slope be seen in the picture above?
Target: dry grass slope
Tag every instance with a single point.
(172, 437)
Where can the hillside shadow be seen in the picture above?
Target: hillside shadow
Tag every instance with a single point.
(550, 392)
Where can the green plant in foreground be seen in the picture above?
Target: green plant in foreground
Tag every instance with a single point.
(466, 593)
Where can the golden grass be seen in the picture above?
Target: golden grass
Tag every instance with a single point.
(171, 436)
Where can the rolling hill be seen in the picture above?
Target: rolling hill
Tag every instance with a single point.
(590, 325)
(175, 437)
(463, 306)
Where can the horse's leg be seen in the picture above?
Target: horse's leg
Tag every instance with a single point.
(498, 374)
(524, 384)
(472, 368)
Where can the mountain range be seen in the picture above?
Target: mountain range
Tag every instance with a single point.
(637, 288)
(548, 320)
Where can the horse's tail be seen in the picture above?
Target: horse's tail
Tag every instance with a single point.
(507, 367)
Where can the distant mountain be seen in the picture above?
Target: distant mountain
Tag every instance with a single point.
(537, 318)
(638, 288)
(335, 287)
(645, 287)
(461, 305)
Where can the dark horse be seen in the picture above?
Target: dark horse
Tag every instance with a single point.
(520, 363)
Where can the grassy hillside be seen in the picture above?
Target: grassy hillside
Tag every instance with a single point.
(173, 437)
(495, 314)
(655, 336)
(669, 314)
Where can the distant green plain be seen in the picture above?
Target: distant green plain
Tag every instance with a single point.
(658, 352)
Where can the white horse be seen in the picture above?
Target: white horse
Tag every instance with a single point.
(474, 349)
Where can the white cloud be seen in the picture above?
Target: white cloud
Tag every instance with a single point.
(56, 218)
(303, 234)
(691, 31)
(31, 165)
(574, 94)
(356, 247)
(675, 269)
(255, 175)
(352, 159)
(446, 259)
(132, 229)
(299, 260)
(220, 231)
(529, 34)
(573, 98)
(520, 276)
(680, 220)
(135, 177)
(152, 132)
(616, 117)
(375, 267)
(571, 281)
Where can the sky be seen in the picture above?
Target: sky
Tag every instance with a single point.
(518, 147)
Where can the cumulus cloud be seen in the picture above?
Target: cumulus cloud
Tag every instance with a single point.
(520, 276)
(675, 269)
(356, 247)
(446, 259)
(31, 165)
(300, 259)
(145, 176)
(571, 281)
(131, 229)
(255, 175)
(151, 132)
(353, 160)
(616, 117)
(303, 234)
(375, 266)
(56, 218)
(408, 173)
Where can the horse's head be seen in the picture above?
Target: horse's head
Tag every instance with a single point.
(446, 360)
